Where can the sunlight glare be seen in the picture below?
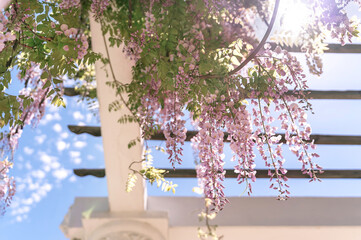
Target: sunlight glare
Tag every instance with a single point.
(294, 15)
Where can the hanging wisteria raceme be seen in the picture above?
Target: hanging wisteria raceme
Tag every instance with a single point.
(173, 127)
(170, 116)
(331, 16)
(7, 186)
(148, 111)
(5, 34)
(99, 6)
(280, 77)
(69, 4)
(9, 143)
(37, 94)
(32, 101)
(209, 143)
(240, 134)
(336, 20)
(37, 91)
(238, 22)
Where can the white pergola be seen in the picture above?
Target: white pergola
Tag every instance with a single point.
(133, 215)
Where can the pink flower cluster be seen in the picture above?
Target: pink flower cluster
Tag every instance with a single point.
(293, 119)
(81, 40)
(173, 127)
(135, 45)
(7, 186)
(236, 21)
(169, 118)
(148, 111)
(33, 112)
(32, 75)
(336, 20)
(209, 143)
(227, 112)
(30, 114)
(172, 113)
(69, 4)
(99, 6)
(241, 138)
(5, 35)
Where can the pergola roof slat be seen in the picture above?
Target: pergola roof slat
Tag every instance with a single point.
(333, 95)
(261, 173)
(318, 138)
(313, 94)
(92, 130)
(332, 48)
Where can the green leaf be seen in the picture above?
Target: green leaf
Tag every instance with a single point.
(50, 93)
(162, 69)
(57, 81)
(47, 84)
(44, 75)
(4, 105)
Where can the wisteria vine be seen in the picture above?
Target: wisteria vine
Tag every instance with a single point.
(201, 57)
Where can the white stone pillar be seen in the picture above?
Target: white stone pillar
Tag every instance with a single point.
(116, 136)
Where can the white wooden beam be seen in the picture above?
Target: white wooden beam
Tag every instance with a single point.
(116, 136)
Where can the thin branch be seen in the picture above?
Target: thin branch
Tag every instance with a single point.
(260, 45)
(130, 13)
(24, 45)
(265, 21)
(278, 176)
(36, 34)
(115, 80)
(130, 166)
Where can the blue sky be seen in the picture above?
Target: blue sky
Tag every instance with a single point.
(43, 170)
(46, 156)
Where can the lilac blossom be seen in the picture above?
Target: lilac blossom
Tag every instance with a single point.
(7, 186)
(69, 4)
(209, 143)
(99, 6)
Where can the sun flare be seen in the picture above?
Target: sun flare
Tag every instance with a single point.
(294, 15)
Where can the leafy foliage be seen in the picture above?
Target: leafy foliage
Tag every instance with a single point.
(150, 173)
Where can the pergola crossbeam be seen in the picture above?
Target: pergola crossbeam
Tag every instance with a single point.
(312, 94)
(332, 95)
(332, 48)
(318, 138)
(92, 130)
(261, 173)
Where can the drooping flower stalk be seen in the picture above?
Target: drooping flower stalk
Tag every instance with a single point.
(7, 186)
(209, 143)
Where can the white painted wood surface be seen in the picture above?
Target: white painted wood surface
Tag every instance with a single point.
(116, 136)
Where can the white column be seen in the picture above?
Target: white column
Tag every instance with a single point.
(116, 136)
